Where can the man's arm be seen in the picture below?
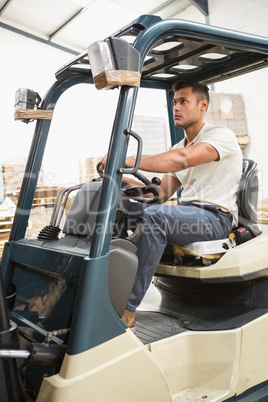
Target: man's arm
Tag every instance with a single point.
(176, 160)
(169, 184)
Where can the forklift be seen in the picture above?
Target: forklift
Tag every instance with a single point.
(202, 328)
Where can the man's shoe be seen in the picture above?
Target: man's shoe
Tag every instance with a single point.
(129, 319)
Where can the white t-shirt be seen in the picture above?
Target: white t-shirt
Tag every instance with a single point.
(214, 182)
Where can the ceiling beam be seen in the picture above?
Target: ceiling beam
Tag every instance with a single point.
(7, 3)
(37, 38)
(71, 19)
(202, 6)
(170, 8)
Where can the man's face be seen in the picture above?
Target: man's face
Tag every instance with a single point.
(187, 109)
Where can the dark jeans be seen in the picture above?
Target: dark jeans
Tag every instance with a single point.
(179, 224)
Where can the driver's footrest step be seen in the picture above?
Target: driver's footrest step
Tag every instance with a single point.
(192, 395)
(153, 326)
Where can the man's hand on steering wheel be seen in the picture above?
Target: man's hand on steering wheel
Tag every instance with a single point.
(138, 192)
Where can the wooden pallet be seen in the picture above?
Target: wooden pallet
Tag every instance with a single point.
(32, 114)
(5, 228)
(38, 202)
(45, 195)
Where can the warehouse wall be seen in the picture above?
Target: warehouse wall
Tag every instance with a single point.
(245, 16)
(25, 63)
(250, 16)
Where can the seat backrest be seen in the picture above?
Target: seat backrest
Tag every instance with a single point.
(247, 197)
(82, 215)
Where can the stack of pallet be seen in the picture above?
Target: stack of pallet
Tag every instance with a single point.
(45, 196)
(13, 172)
(229, 110)
(12, 175)
(7, 211)
(87, 169)
(263, 210)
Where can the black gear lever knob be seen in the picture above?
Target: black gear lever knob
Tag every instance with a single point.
(156, 181)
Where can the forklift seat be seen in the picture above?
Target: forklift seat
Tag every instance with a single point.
(247, 199)
(234, 259)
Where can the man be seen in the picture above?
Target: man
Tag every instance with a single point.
(207, 163)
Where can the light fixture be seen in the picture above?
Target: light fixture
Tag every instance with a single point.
(26, 104)
(26, 99)
(114, 62)
(185, 67)
(213, 56)
(163, 75)
(164, 47)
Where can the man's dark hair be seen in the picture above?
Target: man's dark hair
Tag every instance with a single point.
(197, 87)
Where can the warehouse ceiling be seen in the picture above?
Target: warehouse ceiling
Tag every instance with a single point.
(74, 24)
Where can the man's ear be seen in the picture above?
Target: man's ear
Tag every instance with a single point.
(204, 105)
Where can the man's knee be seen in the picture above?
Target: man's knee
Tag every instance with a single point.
(156, 222)
(151, 214)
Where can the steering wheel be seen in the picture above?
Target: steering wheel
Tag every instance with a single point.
(136, 192)
(128, 193)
